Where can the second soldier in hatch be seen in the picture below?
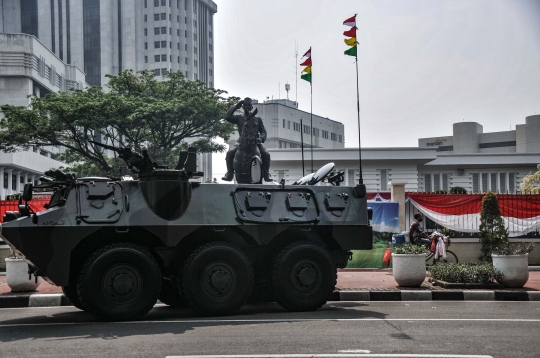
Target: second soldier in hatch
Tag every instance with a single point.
(247, 105)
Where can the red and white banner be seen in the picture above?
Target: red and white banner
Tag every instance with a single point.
(461, 212)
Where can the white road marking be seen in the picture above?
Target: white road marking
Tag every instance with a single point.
(337, 355)
(228, 321)
(354, 351)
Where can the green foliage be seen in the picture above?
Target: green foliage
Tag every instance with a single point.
(135, 110)
(520, 249)
(458, 190)
(531, 183)
(441, 192)
(465, 273)
(492, 231)
(410, 249)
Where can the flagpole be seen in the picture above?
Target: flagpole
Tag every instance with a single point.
(311, 129)
(361, 179)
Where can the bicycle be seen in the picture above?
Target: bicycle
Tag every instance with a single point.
(450, 257)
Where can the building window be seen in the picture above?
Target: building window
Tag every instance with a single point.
(170, 58)
(288, 124)
(186, 74)
(163, 44)
(493, 182)
(195, 37)
(156, 44)
(484, 187)
(185, 47)
(497, 144)
(194, 49)
(164, 31)
(163, 2)
(315, 132)
(194, 22)
(177, 32)
(384, 175)
(283, 124)
(156, 17)
(436, 182)
(170, 30)
(163, 58)
(5, 180)
(185, 20)
(177, 18)
(446, 182)
(210, 34)
(210, 59)
(156, 4)
(333, 136)
(145, 18)
(157, 58)
(178, 4)
(158, 72)
(296, 127)
(164, 71)
(178, 59)
(13, 181)
(352, 177)
(325, 134)
(163, 16)
(445, 148)
(307, 129)
(210, 46)
(502, 182)
(170, 18)
(146, 45)
(145, 4)
(512, 182)
(195, 63)
(340, 138)
(211, 72)
(475, 183)
(145, 31)
(186, 63)
(156, 30)
(145, 59)
(186, 33)
(170, 44)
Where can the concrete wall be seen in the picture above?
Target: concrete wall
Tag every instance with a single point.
(466, 137)
(533, 133)
(468, 249)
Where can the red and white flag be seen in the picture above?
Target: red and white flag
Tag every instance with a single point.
(461, 212)
(351, 21)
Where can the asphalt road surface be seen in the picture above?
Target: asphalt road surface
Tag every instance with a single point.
(340, 329)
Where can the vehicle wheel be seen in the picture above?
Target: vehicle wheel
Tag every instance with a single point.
(71, 293)
(304, 277)
(119, 282)
(451, 258)
(170, 295)
(216, 280)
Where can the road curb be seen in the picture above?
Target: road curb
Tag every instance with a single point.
(58, 299)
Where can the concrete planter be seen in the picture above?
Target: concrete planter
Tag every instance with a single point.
(17, 276)
(409, 270)
(515, 269)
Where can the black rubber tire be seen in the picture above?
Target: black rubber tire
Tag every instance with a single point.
(451, 258)
(71, 293)
(304, 277)
(169, 294)
(119, 282)
(216, 279)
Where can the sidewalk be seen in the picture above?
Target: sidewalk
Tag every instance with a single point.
(352, 285)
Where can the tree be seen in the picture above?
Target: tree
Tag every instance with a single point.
(135, 110)
(531, 183)
(492, 231)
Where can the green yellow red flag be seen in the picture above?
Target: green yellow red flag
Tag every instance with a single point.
(306, 72)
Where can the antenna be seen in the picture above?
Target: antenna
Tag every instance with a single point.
(302, 145)
(287, 88)
(279, 90)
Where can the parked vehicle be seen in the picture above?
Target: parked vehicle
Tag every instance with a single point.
(116, 246)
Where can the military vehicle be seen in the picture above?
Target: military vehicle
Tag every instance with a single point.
(117, 246)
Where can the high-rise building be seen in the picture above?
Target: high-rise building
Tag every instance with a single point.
(104, 37)
(107, 36)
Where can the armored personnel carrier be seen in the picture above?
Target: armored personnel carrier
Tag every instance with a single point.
(117, 246)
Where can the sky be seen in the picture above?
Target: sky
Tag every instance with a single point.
(423, 65)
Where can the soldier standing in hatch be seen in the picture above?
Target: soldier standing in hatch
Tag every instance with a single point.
(240, 120)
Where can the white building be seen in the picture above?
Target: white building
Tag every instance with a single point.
(27, 67)
(285, 125)
(471, 159)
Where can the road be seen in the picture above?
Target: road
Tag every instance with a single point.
(344, 329)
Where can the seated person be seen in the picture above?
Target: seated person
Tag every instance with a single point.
(416, 234)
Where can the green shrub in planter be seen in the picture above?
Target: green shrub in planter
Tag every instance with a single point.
(465, 273)
(410, 249)
(520, 249)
